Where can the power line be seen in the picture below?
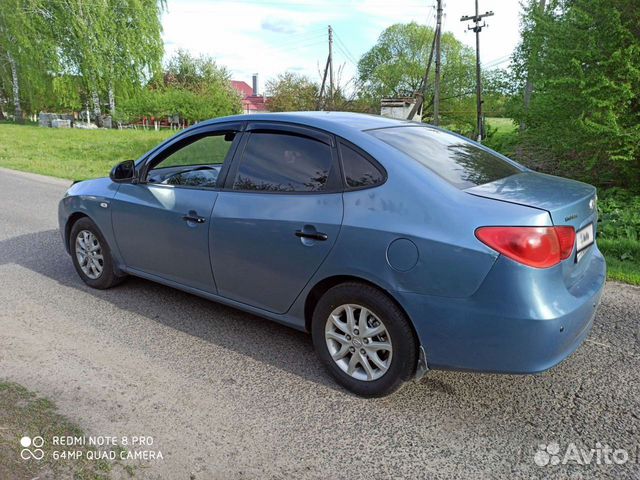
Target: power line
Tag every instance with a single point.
(303, 39)
(498, 61)
(346, 51)
(345, 55)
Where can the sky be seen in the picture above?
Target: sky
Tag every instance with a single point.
(269, 37)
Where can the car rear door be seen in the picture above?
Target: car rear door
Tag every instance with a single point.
(162, 223)
(278, 216)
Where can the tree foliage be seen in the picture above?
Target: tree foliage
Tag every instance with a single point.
(194, 88)
(498, 92)
(395, 66)
(183, 70)
(583, 58)
(26, 55)
(291, 92)
(72, 51)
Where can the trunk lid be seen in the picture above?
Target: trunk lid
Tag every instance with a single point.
(568, 202)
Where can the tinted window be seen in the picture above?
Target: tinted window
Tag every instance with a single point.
(209, 150)
(456, 160)
(283, 163)
(358, 171)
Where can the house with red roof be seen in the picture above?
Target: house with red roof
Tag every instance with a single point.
(252, 102)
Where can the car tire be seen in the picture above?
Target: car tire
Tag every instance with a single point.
(331, 335)
(87, 242)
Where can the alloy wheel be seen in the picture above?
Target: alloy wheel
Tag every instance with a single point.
(89, 254)
(358, 342)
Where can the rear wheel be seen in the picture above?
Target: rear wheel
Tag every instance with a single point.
(364, 339)
(91, 255)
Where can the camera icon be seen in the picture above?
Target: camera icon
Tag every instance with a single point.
(32, 448)
(547, 454)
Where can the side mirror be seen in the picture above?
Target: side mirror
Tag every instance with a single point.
(124, 172)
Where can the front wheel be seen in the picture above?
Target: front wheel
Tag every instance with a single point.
(364, 339)
(91, 255)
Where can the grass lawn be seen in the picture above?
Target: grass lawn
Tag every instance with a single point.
(72, 153)
(502, 135)
(623, 259)
(502, 125)
(23, 413)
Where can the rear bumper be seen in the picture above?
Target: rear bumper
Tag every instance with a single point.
(521, 320)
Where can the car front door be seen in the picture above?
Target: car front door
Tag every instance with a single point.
(162, 222)
(278, 216)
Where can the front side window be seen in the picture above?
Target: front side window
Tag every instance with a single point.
(275, 162)
(207, 150)
(195, 163)
(458, 161)
(358, 171)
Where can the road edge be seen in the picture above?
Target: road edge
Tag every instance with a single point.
(37, 177)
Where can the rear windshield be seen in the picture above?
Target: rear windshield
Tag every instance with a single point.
(458, 161)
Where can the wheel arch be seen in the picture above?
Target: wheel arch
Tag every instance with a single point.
(325, 284)
(73, 218)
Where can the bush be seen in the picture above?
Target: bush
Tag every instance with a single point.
(619, 215)
(191, 106)
(582, 57)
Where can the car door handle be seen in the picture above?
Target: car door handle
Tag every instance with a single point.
(312, 235)
(190, 218)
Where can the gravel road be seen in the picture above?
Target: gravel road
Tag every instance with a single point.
(227, 395)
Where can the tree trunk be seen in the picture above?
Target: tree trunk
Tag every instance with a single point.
(97, 111)
(16, 88)
(528, 88)
(112, 102)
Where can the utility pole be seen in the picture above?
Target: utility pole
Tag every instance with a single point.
(477, 28)
(324, 81)
(422, 89)
(436, 85)
(331, 85)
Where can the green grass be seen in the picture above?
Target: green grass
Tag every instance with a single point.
(72, 153)
(23, 413)
(623, 259)
(503, 125)
(502, 135)
(619, 233)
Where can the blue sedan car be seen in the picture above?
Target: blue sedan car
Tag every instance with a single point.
(399, 246)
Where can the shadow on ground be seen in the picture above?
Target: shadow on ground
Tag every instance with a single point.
(244, 333)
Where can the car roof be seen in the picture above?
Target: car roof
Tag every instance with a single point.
(334, 122)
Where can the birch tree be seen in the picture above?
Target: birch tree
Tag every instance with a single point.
(26, 53)
(78, 50)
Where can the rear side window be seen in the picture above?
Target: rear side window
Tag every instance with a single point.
(359, 172)
(458, 161)
(276, 162)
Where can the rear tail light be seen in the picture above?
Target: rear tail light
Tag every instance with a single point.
(540, 247)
